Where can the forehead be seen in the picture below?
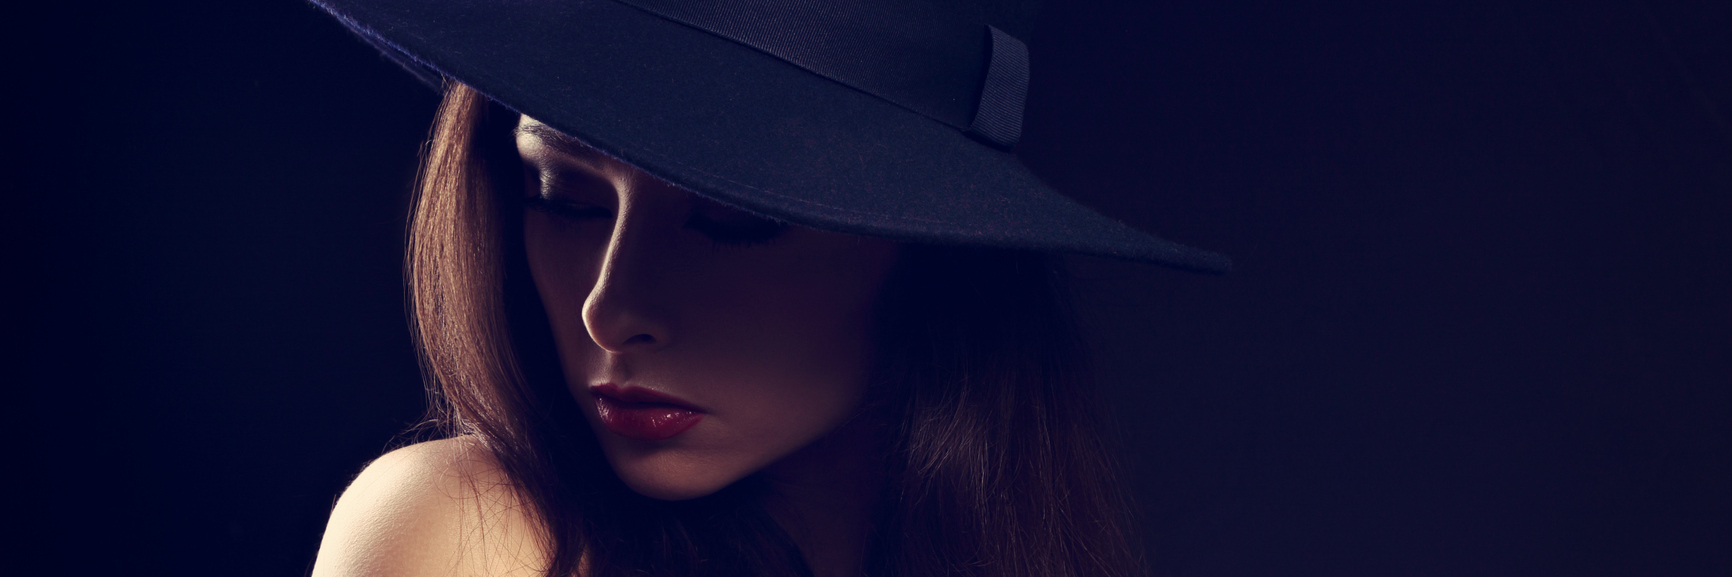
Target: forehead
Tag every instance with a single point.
(535, 138)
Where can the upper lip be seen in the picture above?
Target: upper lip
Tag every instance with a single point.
(640, 395)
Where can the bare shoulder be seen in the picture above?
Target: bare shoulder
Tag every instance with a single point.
(432, 509)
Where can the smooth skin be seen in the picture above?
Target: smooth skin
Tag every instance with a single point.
(432, 509)
(762, 325)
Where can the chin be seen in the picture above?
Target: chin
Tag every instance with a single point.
(671, 477)
(656, 488)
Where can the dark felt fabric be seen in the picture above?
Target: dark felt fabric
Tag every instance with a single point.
(733, 124)
(926, 56)
(998, 119)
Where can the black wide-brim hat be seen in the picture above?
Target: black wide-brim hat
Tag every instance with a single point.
(889, 118)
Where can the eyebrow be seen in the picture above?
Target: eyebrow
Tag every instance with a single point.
(564, 144)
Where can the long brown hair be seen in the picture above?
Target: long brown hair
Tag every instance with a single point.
(998, 465)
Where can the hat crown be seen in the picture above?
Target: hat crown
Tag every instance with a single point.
(953, 61)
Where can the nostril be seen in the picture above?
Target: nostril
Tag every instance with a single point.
(640, 339)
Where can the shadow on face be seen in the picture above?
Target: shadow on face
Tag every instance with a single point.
(703, 342)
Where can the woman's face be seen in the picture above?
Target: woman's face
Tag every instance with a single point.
(702, 342)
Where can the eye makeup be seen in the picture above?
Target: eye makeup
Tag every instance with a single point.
(562, 192)
(731, 226)
(565, 209)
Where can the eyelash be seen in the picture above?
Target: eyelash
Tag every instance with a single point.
(566, 210)
(759, 231)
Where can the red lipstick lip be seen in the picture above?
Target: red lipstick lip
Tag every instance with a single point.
(642, 414)
(641, 395)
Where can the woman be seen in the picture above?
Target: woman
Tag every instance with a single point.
(756, 290)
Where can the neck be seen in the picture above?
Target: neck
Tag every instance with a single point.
(823, 496)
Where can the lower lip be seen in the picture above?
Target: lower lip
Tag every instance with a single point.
(644, 421)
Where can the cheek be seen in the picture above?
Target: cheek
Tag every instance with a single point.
(795, 367)
(797, 330)
(562, 263)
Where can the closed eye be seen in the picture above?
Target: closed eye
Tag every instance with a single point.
(566, 209)
(559, 194)
(731, 226)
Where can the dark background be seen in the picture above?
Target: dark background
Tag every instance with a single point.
(1481, 323)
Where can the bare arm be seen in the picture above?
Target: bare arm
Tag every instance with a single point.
(431, 510)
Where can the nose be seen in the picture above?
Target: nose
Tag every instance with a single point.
(625, 312)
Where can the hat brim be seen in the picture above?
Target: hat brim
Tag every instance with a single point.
(738, 126)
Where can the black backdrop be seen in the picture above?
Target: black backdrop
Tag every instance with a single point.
(1480, 325)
